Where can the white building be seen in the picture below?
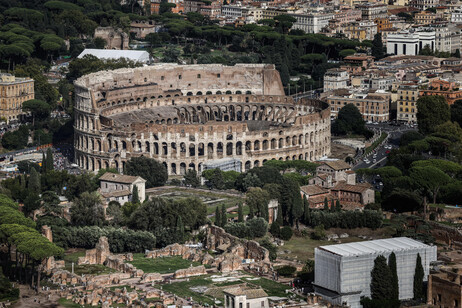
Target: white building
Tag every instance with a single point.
(343, 271)
(336, 78)
(409, 43)
(372, 11)
(311, 23)
(118, 187)
(232, 11)
(424, 4)
(456, 16)
(110, 54)
(244, 297)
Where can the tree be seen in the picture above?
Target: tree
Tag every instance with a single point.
(34, 181)
(257, 199)
(149, 169)
(135, 196)
(180, 229)
(338, 206)
(456, 112)
(240, 213)
(191, 178)
(217, 179)
(418, 280)
(38, 108)
(218, 220)
(429, 180)
(326, 204)
(381, 280)
(431, 112)
(394, 272)
(87, 210)
(378, 50)
(349, 121)
(223, 216)
(49, 160)
(286, 233)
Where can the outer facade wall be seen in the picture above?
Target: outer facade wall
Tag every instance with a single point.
(249, 119)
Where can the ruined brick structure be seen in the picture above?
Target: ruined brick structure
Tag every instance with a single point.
(184, 115)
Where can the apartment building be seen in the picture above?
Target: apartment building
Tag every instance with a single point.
(408, 94)
(372, 11)
(336, 78)
(363, 30)
(374, 107)
(14, 91)
(232, 11)
(424, 18)
(347, 16)
(383, 24)
(449, 89)
(313, 22)
(424, 4)
(456, 16)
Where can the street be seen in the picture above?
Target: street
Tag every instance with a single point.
(378, 158)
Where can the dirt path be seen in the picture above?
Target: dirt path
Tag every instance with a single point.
(28, 298)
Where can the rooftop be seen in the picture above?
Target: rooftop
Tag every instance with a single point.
(313, 190)
(336, 164)
(248, 292)
(358, 188)
(374, 247)
(119, 178)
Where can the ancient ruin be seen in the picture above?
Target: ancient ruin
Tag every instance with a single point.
(98, 255)
(185, 115)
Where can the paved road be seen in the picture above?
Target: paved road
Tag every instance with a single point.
(394, 135)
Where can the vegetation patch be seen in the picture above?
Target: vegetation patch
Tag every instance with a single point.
(160, 265)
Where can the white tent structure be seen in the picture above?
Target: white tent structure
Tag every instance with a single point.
(343, 272)
(112, 54)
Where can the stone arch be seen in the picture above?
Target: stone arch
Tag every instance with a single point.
(239, 148)
(201, 149)
(265, 144)
(256, 145)
(273, 144)
(247, 165)
(220, 148)
(192, 149)
(182, 168)
(281, 143)
(248, 146)
(210, 150)
(229, 149)
(164, 148)
(173, 168)
(256, 163)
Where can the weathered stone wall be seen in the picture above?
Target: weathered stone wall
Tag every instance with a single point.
(190, 272)
(115, 39)
(447, 234)
(184, 116)
(97, 255)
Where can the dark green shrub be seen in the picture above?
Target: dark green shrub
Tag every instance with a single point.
(286, 233)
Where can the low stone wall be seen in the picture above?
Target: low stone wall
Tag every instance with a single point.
(447, 234)
(190, 272)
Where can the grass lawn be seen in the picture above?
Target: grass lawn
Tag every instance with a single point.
(302, 248)
(181, 289)
(272, 288)
(160, 265)
(94, 269)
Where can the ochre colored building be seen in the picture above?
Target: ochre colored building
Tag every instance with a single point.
(14, 92)
(450, 90)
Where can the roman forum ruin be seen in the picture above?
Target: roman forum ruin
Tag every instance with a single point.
(186, 115)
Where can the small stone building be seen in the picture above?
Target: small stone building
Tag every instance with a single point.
(115, 38)
(338, 170)
(117, 187)
(244, 297)
(354, 195)
(445, 288)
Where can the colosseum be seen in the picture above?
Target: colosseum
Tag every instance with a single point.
(187, 115)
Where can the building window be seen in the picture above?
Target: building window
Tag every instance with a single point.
(263, 303)
(179, 76)
(161, 77)
(198, 75)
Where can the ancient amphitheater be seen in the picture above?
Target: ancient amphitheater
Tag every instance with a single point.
(187, 115)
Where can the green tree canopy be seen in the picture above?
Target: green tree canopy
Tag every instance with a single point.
(381, 280)
(149, 169)
(431, 112)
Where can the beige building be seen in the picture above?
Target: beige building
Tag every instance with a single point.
(337, 169)
(245, 297)
(336, 78)
(353, 196)
(373, 106)
(14, 92)
(117, 187)
(424, 18)
(408, 94)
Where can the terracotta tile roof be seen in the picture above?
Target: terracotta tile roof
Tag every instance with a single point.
(350, 206)
(358, 188)
(320, 199)
(248, 292)
(116, 193)
(337, 164)
(312, 190)
(119, 178)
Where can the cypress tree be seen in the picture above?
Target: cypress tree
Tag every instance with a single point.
(224, 217)
(217, 216)
(338, 206)
(44, 163)
(34, 181)
(180, 229)
(240, 213)
(279, 216)
(49, 160)
(381, 278)
(394, 273)
(326, 204)
(135, 195)
(418, 280)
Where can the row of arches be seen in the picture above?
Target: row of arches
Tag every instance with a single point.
(179, 168)
(191, 149)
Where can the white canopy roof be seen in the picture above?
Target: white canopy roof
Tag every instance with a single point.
(110, 54)
(376, 246)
